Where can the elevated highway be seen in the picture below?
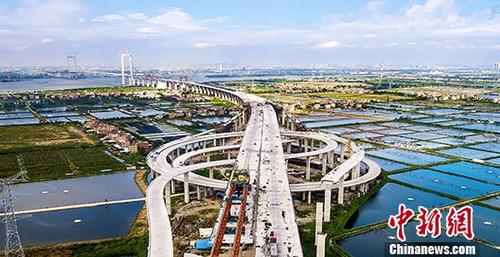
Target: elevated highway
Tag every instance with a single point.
(263, 149)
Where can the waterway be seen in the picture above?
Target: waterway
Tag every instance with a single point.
(59, 83)
(74, 225)
(78, 224)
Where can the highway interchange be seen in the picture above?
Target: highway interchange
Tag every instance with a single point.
(260, 142)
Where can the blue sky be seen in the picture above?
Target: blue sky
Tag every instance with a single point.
(259, 33)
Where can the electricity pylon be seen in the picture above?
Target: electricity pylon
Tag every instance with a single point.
(13, 246)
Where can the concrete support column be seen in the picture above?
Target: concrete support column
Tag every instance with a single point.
(308, 168)
(178, 152)
(204, 144)
(173, 186)
(305, 145)
(198, 193)
(323, 165)
(319, 221)
(303, 196)
(211, 173)
(331, 156)
(309, 197)
(186, 187)
(208, 157)
(342, 153)
(328, 201)
(356, 171)
(320, 248)
(168, 199)
(289, 147)
(340, 199)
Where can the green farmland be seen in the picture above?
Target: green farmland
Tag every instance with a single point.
(51, 151)
(61, 163)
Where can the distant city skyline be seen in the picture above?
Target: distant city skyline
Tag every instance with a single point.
(260, 33)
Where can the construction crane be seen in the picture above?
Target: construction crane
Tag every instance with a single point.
(13, 246)
(237, 188)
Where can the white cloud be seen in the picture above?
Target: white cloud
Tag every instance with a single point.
(41, 13)
(109, 18)
(137, 16)
(147, 30)
(433, 9)
(46, 40)
(176, 19)
(203, 45)
(375, 5)
(329, 44)
(69, 23)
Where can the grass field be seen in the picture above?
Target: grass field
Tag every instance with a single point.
(41, 137)
(61, 163)
(52, 152)
(347, 96)
(286, 98)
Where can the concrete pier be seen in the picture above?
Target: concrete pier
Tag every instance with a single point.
(168, 199)
(340, 199)
(308, 168)
(320, 247)
(319, 221)
(186, 187)
(328, 201)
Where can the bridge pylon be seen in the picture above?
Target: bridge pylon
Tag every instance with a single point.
(123, 57)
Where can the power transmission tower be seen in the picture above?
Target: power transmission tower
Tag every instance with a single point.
(72, 63)
(13, 246)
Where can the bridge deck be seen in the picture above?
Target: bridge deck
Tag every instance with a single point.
(275, 212)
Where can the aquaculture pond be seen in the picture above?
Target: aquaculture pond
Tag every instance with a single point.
(406, 156)
(486, 223)
(495, 161)
(362, 135)
(468, 153)
(388, 165)
(472, 170)
(394, 131)
(424, 136)
(452, 141)
(113, 187)
(331, 123)
(430, 145)
(74, 225)
(104, 115)
(491, 146)
(495, 201)
(372, 243)
(487, 127)
(445, 183)
(386, 201)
